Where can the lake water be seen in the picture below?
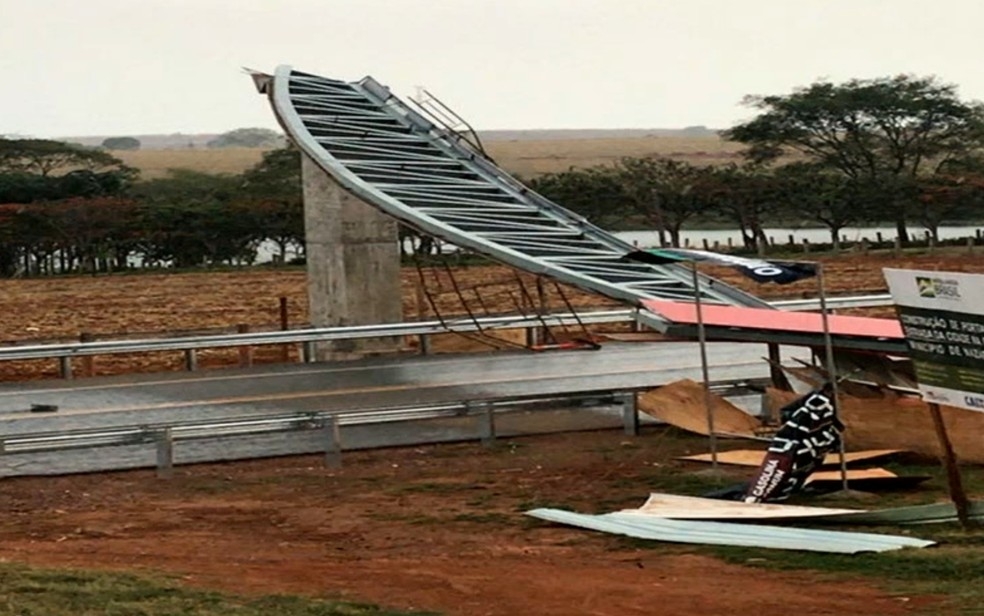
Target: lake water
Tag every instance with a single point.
(780, 235)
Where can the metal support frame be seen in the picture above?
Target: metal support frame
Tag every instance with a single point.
(394, 158)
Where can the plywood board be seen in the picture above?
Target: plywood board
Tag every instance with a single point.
(902, 422)
(867, 480)
(682, 404)
(866, 473)
(753, 457)
(696, 508)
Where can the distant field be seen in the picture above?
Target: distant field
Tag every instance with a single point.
(156, 163)
(525, 157)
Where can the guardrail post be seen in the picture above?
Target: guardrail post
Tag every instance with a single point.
(630, 413)
(88, 361)
(333, 442)
(307, 352)
(245, 352)
(3, 447)
(486, 423)
(191, 360)
(284, 326)
(165, 454)
(65, 366)
(425, 344)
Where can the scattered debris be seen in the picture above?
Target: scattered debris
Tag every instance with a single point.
(641, 526)
(681, 404)
(865, 480)
(754, 457)
(902, 421)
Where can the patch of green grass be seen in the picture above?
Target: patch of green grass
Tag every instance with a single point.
(491, 517)
(690, 483)
(430, 488)
(407, 518)
(40, 592)
(482, 500)
(955, 568)
(541, 503)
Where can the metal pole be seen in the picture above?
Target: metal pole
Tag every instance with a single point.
(831, 366)
(702, 341)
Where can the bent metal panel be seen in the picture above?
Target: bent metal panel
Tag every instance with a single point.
(942, 315)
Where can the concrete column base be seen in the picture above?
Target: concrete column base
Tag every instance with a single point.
(353, 265)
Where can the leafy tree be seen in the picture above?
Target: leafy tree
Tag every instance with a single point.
(44, 157)
(597, 193)
(815, 193)
(192, 219)
(121, 143)
(749, 196)
(945, 196)
(273, 190)
(884, 130)
(247, 138)
(666, 192)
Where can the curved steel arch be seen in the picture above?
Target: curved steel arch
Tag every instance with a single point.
(430, 178)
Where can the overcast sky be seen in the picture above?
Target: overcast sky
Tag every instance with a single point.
(118, 67)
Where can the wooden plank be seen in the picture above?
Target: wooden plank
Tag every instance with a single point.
(682, 404)
(880, 480)
(696, 508)
(753, 457)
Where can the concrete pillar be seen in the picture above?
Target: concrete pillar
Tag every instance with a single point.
(353, 265)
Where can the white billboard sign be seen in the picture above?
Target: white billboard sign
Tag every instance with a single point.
(942, 315)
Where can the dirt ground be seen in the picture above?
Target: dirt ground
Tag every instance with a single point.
(430, 528)
(436, 527)
(146, 305)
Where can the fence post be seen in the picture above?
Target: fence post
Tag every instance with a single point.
(806, 245)
(970, 245)
(284, 326)
(245, 352)
(88, 361)
(332, 435)
(165, 454)
(897, 246)
(630, 413)
(191, 360)
(486, 422)
(65, 367)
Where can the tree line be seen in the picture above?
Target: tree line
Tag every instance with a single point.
(900, 149)
(67, 209)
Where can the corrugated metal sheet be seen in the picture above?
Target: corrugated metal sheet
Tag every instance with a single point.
(916, 514)
(678, 507)
(644, 526)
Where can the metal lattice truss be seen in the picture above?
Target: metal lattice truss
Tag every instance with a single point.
(429, 177)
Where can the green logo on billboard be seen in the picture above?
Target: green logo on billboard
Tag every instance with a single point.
(938, 288)
(926, 286)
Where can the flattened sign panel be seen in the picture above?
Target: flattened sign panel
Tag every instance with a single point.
(942, 315)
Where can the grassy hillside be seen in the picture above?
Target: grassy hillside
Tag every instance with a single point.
(526, 157)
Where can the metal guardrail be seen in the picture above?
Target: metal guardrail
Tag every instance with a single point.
(163, 437)
(422, 328)
(836, 303)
